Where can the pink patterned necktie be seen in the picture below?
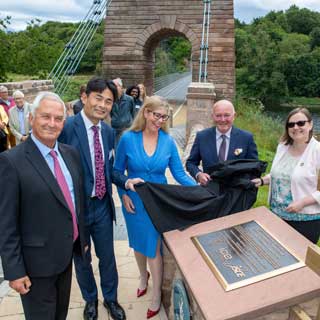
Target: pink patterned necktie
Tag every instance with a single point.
(100, 190)
(66, 192)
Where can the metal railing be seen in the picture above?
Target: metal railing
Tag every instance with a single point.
(163, 81)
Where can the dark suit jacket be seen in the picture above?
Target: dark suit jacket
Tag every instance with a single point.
(74, 133)
(36, 231)
(205, 149)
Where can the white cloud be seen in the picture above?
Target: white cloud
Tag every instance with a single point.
(60, 10)
(278, 4)
(23, 11)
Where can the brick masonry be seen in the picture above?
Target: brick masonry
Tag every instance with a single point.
(134, 29)
(30, 88)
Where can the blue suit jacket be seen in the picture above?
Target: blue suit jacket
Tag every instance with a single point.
(74, 133)
(205, 149)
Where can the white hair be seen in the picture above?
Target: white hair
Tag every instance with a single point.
(118, 81)
(3, 89)
(18, 94)
(47, 95)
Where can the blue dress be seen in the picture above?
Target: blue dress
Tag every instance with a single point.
(131, 156)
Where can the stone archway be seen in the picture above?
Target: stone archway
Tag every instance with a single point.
(134, 28)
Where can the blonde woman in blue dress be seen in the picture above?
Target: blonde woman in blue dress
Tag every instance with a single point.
(146, 150)
(294, 194)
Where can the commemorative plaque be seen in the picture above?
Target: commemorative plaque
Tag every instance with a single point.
(244, 254)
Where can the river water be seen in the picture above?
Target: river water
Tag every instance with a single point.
(280, 113)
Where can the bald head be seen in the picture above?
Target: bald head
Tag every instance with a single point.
(223, 115)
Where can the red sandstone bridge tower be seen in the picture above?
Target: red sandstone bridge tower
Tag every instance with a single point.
(134, 29)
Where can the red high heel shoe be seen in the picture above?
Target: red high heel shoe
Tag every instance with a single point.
(151, 313)
(142, 292)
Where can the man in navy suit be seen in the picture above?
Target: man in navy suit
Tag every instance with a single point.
(41, 213)
(95, 141)
(219, 143)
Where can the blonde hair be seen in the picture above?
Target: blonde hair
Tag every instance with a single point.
(151, 103)
(144, 95)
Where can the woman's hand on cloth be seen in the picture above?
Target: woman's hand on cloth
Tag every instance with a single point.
(128, 204)
(131, 182)
(257, 182)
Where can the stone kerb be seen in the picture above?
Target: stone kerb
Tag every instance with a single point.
(30, 88)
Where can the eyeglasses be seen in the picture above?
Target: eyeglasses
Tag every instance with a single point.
(300, 123)
(158, 116)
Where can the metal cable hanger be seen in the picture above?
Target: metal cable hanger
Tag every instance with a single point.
(204, 47)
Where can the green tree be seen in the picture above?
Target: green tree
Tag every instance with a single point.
(4, 45)
(315, 37)
(302, 20)
(262, 76)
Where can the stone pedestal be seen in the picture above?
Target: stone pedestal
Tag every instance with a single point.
(268, 299)
(200, 99)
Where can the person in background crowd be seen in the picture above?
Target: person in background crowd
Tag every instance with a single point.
(146, 150)
(219, 143)
(134, 92)
(18, 117)
(143, 93)
(78, 105)
(122, 112)
(4, 120)
(7, 103)
(294, 177)
(95, 141)
(41, 213)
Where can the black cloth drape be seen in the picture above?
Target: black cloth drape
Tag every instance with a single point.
(173, 207)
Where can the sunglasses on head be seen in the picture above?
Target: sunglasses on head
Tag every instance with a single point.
(300, 123)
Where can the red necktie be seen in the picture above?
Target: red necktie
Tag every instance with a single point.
(66, 193)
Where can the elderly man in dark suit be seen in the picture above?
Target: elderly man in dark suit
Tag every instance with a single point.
(41, 213)
(219, 143)
(95, 141)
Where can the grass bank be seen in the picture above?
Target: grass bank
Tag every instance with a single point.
(266, 131)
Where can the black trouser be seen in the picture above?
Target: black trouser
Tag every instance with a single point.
(3, 144)
(309, 229)
(48, 298)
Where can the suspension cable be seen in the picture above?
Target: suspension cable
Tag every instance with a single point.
(204, 47)
(74, 50)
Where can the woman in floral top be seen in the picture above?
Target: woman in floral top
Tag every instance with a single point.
(294, 194)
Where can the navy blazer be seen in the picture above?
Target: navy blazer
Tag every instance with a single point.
(74, 133)
(205, 149)
(36, 230)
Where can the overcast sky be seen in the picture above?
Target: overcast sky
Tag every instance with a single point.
(23, 11)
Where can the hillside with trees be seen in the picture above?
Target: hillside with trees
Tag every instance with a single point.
(277, 56)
